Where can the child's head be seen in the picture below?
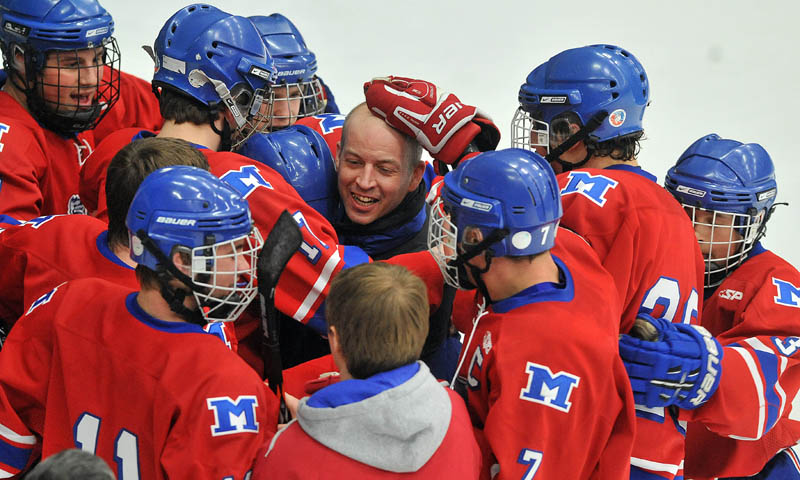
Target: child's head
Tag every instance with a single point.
(377, 318)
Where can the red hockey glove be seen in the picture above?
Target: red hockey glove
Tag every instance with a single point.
(443, 125)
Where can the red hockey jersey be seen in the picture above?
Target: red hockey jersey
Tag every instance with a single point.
(47, 251)
(39, 169)
(647, 243)
(642, 236)
(87, 367)
(754, 315)
(536, 369)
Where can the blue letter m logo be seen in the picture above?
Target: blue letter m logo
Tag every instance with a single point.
(233, 416)
(548, 389)
(788, 294)
(245, 180)
(593, 187)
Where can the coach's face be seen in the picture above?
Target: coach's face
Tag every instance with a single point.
(373, 173)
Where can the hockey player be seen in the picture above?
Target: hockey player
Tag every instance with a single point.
(130, 375)
(298, 91)
(542, 351)
(63, 76)
(48, 251)
(387, 417)
(728, 190)
(583, 108)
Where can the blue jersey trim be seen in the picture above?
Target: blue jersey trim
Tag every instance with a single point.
(353, 255)
(162, 325)
(757, 249)
(13, 456)
(356, 390)
(102, 247)
(633, 169)
(541, 292)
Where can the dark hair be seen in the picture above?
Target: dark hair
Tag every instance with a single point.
(181, 108)
(380, 312)
(131, 165)
(71, 464)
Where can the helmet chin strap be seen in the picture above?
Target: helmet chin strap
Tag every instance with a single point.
(225, 142)
(580, 135)
(461, 263)
(173, 296)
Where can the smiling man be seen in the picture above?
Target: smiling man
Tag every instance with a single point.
(379, 177)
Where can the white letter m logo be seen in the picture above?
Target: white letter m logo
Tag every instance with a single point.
(548, 389)
(233, 416)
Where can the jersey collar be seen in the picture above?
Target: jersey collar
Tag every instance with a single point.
(633, 169)
(102, 247)
(541, 292)
(169, 327)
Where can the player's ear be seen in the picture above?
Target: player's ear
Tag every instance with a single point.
(473, 236)
(336, 348)
(416, 175)
(18, 59)
(338, 152)
(182, 261)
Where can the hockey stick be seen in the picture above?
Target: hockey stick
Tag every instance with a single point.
(282, 242)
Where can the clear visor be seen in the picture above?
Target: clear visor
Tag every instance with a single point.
(725, 239)
(529, 134)
(290, 101)
(226, 273)
(443, 242)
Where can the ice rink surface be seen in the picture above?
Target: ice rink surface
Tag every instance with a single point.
(727, 67)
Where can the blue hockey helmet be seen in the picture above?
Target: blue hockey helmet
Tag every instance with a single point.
(298, 92)
(85, 83)
(219, 60)
(188, 210)
(303, 159)
(604, 85)
(510, 196)
(735, 183)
